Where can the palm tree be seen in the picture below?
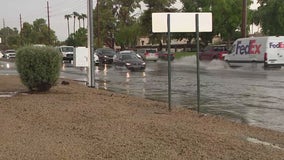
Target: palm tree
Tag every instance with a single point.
(75, 14)
(68, 16)
(83, 17)
(79, 19)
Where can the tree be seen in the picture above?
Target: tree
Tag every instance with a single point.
(38, 33)
(126, 30)
(10, 37)
(79, 19)
(104, 16)
(67, 17)
(127, 36)
(112, 17)
(26, 33)
(79, 38)
(270, 16)
(123, 10)
(227, 16)
(75, 14)
(41, 32)
(146, 18)
(83, 17)
(153, 6)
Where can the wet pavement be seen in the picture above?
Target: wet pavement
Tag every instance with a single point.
(251, 95)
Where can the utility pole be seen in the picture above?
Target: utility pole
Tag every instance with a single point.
(5, 33)
(244, 19)
(21, 27)
(98, 23)
(4, 23)
(91, 73)
(48, 23)
(21, 24)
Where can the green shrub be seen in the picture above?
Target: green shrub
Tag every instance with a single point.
(39, 67)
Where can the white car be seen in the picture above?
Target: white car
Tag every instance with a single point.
(8, 54)
(148, 54)
(1, 54)
(96, 59)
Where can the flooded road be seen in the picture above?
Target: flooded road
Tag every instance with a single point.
(250, 95)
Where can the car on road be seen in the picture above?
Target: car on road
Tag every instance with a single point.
(105, 55)
(96, 59)
(1, 54)
(148, 54)
(67, 52)
(213, 52)
(10, 54)
(164, 55)
(130, 60)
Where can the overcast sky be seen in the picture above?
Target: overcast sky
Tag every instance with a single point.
(31, 10)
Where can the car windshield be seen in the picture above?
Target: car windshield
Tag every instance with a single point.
(220, 48)
(10, 51)
(151, 51)
(106, 51)
(129, 57)
(207, 48)
(67, 49)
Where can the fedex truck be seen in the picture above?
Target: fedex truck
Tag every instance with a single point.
(266, 51)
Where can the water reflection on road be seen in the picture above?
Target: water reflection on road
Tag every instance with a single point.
(251, 95)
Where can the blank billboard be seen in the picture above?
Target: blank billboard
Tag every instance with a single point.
(181, 22)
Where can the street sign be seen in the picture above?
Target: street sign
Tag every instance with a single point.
(181, 22)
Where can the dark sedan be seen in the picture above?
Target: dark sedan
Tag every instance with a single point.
(105, 55)
(130, 60)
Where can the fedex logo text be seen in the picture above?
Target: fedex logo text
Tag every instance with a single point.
(251, 48)
(276, 45)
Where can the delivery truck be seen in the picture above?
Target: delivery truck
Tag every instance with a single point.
(265, 51)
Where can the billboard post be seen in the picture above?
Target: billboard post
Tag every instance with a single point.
(182, 22)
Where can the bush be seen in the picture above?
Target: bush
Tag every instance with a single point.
(39, 67)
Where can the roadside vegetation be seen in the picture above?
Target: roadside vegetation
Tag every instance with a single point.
(179, 55)
(38, 67)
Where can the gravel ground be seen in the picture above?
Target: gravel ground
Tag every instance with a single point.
(75, 122)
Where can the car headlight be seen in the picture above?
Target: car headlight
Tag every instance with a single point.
(128, 64)
(143, 63)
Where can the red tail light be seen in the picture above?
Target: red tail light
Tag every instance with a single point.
(146, 53)
(265, 56)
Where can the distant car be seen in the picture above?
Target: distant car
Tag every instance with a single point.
(213, 52)
(164, 55)
(1, 54)
(130, 60)
(10, 54)
(148, 54)
(96, 59)
(105, 55)
(67, 52)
